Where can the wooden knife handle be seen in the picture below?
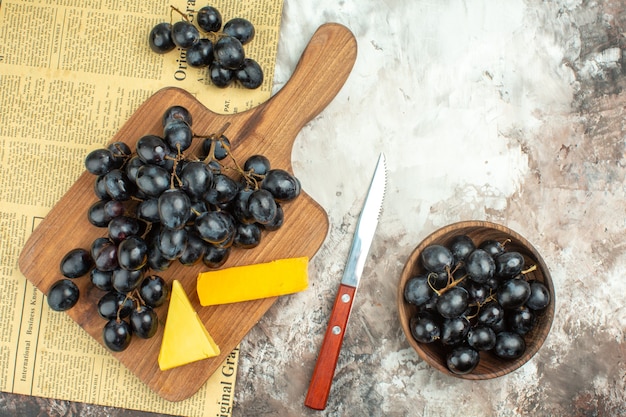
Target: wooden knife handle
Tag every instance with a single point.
(319, 387)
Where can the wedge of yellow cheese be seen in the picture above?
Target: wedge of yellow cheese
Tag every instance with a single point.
(252, 282)
(185, 339)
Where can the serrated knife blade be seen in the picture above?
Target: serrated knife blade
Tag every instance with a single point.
(324, 371)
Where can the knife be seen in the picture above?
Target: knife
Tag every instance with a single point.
(324, 371)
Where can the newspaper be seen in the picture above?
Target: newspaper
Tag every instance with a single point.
(71, 73)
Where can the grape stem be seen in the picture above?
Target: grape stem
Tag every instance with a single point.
(217, 134)
(139, 299)
(119, 309)
(451, 281)
(178, 158)
(478, 305)
(214, 138)
(177, 10)
(120, 153)
(251, 179)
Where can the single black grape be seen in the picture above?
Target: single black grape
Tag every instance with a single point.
(121, 227)
(478, 292)
(172, 242)
(277, 221)
(105, 255)
(490, 313)
(132, 166)
(461, 246)
(197, 208)
(240, 206)
(539, 296)
(117, 335)
(194, 249)
(215, 256)
(156, 260)
(249, 74)
(424, 328)
(229, 52)
(200, 54)
(453, 302)
(144, 322)
(521, 320)
(436, 258)
(257, 166)
(509, 264)
(178, 135)
(480, 266)
(176, 113)
(222, 148)
(99, 188)
(63, 295)
(417, 290)
(492, 247)
(283, 185)
(513, 293)
(247, 235)
(196, 179)
(224, 190)
(160, 38)
(114, 304)
(118, 186)
(438, 280)
(96, 214)
(114, 208)
(462, 360)
(152, 180)
(240, 28)
(430, 307)
(148, 210)
(152, 149)
(124, 280)
(184, 34)
(215, 226)
(509, 345)
(99, 161)
(262, 206)
(454, 330)
(492, 283)
(499, 326)
(132, 253)
(481, 338)
(101, 279)
(174, 208)
(220, 75)
(76, 263)
(209, 19)
(153, 290)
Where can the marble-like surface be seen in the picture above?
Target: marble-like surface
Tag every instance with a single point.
(511, 112)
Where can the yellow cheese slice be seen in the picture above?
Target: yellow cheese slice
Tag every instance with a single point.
(185, 339)
(251, 282)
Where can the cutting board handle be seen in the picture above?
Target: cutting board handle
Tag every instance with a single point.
(322, 70)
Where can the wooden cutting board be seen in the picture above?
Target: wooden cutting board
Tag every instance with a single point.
(269, 129)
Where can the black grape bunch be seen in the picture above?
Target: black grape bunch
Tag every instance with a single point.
(159, 205)
(208, 44)
(473, 298)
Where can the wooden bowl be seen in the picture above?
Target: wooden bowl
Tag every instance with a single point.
(490, 365)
